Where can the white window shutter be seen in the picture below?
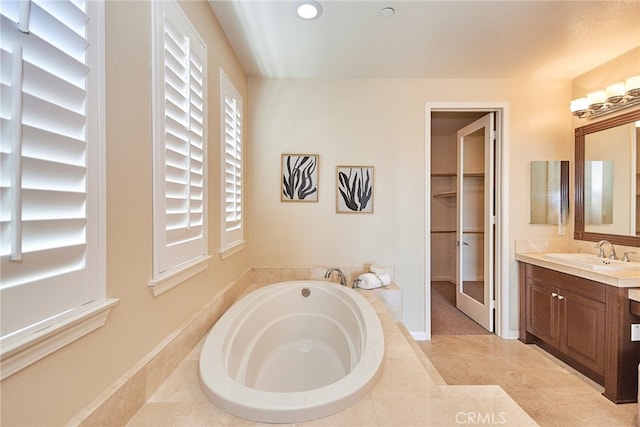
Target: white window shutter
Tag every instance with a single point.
(48, 174)
(231, 124)
(179, 141)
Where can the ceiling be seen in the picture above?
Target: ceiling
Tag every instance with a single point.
(429, 39)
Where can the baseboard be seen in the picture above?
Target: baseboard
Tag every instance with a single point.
(418, 335)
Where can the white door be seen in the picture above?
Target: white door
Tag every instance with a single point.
(475, 221)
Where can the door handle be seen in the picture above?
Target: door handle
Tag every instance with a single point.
(554, 295)
(463, 243)
(560, 297)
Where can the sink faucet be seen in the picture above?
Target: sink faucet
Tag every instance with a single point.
(343, 281)
(612, 254)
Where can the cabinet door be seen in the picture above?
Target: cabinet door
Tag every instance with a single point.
(583, 330)
(542, 312)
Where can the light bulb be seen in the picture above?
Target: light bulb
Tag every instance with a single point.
(633, 86)
(615, 92)
(596, 99)
(309, 10)
(579, 106)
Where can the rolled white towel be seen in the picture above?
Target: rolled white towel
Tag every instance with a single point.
(378, 269)
(384, 278)
(369, 281)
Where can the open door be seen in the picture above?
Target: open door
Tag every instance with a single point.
(475, 221)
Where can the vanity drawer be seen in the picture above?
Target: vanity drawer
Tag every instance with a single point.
(577, 285)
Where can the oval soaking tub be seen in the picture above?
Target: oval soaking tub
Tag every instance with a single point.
(292, 352)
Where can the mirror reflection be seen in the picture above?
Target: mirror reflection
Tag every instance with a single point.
(607, 182)
(610, 175)
(549, 192)
(598, 196)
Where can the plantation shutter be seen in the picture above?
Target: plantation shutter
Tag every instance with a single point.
(181, 142)
(47, 149)
(232, 167)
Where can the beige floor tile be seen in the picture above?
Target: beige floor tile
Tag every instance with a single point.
(551, 392)
(404, 378)
(361, 414)
(181, 414)
(396, 346)
(394, 412)
(182, 385)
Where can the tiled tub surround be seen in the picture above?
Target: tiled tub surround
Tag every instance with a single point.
(163, 389)
(410, 392)
(117, 404)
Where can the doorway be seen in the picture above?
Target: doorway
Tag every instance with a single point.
(464, 264)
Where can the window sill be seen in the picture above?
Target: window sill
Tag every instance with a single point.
(232, 249)
(23, 352)
(174, 278)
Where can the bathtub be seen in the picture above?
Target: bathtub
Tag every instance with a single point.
(292, 352)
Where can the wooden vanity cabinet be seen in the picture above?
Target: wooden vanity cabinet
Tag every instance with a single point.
(584, 323)
(567, 317)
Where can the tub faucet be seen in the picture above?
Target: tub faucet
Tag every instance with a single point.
(343, 281)
(612, 254)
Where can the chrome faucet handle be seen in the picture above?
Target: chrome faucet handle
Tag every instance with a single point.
(625, 257)
(357, 281)
(601, 253)
(612, 255)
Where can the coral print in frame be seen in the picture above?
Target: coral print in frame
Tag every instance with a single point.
(354, 192)
(299, 178)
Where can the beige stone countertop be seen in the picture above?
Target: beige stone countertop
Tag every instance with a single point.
(634, 294)
(620, 279)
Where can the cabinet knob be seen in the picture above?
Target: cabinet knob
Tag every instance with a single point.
(560, 297)
(553, 294)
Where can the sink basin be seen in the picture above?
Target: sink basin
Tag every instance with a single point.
(593, 262)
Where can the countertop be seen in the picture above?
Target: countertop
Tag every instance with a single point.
(620, 279)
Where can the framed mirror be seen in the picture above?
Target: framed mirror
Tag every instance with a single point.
(607, 182)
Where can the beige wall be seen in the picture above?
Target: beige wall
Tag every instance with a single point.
(381, 123)
(346, 122)
(54, 389)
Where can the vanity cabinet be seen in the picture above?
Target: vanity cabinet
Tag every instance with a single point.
(585, 323)
(568, 322)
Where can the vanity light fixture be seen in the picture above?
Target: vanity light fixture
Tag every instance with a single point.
(615, 97)
(309, 9)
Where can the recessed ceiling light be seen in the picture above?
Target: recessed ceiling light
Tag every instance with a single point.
(309, 9)
(387, 11)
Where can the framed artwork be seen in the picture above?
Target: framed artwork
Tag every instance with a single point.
(299, 178)
(354, 189)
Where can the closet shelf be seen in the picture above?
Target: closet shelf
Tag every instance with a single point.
(445, 194)
(453, 230)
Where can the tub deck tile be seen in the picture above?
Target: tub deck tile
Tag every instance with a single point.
(409, 392)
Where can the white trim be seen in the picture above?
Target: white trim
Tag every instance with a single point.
(22, 353)
(233, 248)
(502, 198)
(181, 273)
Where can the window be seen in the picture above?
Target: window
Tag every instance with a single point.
(231, 141)
(52, 177)
(180, 162)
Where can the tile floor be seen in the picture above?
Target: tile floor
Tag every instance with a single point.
(411, 392)
(550, 391)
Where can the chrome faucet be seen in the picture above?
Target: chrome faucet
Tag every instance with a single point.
(343, 281)
(612, 254)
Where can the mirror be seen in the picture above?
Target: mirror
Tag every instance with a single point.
(606, 180)
(549, 192)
